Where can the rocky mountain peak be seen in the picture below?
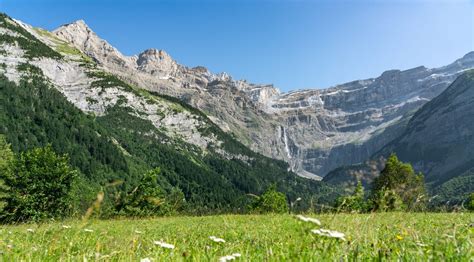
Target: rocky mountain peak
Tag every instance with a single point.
(469, 57)
(83, 38)
(154, 61)
(79, 23)
(153, 54)
(77, 31)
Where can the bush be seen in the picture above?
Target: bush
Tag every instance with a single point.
(6, 167)
(398, 187)
(271, 201)
(470, 203)
(150, 199)
(354, 202)
(39, 186)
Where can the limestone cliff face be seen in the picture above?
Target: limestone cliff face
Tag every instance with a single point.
(315, 130)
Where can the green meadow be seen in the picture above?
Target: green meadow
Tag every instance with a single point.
(367, 237)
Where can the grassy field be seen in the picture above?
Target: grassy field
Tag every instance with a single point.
(381, 236)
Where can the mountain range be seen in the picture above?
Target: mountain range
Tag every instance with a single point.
(423, 114)
(315, 131)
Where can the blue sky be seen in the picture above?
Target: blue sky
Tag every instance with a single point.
(292, 44)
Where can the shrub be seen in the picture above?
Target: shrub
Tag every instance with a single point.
(470, 203)
(354, 202)
(6, 167)
(398, 187)
(149, 198)
(271, 201)
(38, 187)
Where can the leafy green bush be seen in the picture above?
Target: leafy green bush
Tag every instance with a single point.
(271, 201)
(470, 202)
(150, 199)
(398, 187)
(353, 203)
(38, 187)
(6, 167)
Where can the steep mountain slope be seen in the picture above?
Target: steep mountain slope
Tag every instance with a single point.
(50, 92)
(438, 141)
(315, 131)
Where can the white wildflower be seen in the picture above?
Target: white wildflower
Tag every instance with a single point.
(138, 232)
(298, 199)
(216, 239)
(421, 244)
(31, 230)
(329, 233)
(309, 219)
(66, 226)
(88, 230)
(163, 244)
(145, 260)
(229, 257)
(226, 258)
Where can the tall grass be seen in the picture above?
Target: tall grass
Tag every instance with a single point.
(377, 236)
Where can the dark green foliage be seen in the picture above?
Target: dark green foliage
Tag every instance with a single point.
(271, 201)
(39, 186)
(6, 167)
(28, 43)
(398, 187)
(470, 202)
(30, 69)
(454, 191)
(150, 199)
(146, 198)
(105, 80)
(353, 203)
(6, 157)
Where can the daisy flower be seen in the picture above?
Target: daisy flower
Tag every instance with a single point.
(229, 257)
(309, 219)
(216, 239)
(163, 244)
(329, 233)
